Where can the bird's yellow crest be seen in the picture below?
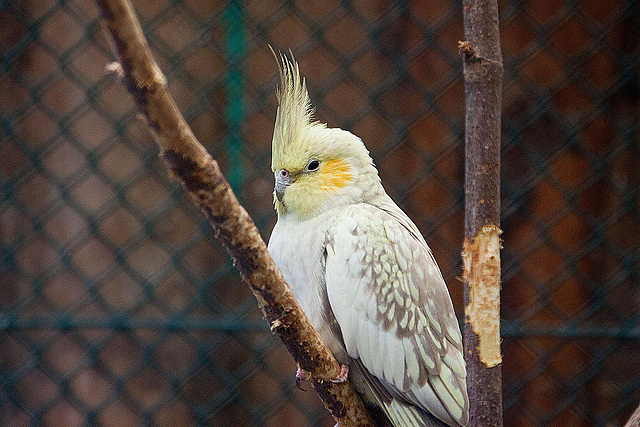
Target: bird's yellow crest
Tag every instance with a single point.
(294, 118)
(315, 167)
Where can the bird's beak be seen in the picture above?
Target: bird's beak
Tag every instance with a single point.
(283, 180)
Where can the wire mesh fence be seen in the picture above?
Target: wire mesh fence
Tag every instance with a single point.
(118, 307)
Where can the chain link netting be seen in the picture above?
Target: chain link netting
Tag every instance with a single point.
(117, 305)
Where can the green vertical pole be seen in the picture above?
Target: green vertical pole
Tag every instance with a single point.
(235, 49)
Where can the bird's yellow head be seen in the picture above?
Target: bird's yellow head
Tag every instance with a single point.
(316, 168)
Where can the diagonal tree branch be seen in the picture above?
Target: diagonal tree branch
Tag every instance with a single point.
(188, 162)
(634, 421)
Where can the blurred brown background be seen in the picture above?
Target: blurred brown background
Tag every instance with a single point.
(117, 305)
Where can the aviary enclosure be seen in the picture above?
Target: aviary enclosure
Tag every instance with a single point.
(118, 306)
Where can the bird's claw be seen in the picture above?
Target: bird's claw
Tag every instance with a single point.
(301, 376)
(342, 376)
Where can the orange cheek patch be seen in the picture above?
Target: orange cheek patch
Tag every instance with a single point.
(335, 174)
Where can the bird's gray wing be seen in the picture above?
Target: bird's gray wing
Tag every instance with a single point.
(394, 311)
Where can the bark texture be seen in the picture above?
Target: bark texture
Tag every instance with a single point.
(188, 162)
(481, 260)
(482, 60)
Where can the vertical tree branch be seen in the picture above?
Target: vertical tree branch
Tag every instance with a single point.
(481, 252)
(189, 163)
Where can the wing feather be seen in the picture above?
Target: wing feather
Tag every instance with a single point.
(394, 311)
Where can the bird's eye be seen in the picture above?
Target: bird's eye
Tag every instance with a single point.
(313, 165)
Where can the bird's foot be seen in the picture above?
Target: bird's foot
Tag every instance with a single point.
(301, 376)
(342, 376)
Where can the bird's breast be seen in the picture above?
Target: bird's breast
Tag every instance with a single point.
(297, 247)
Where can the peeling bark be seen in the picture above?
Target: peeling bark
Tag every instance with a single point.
(481, 259)
(483, 70)
(188, 162)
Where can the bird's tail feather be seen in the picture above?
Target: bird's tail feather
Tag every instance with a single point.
(402, 414)
(397, 413)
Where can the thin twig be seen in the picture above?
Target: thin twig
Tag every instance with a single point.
(189, 163)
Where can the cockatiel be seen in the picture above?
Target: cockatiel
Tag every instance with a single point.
(361, 270)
